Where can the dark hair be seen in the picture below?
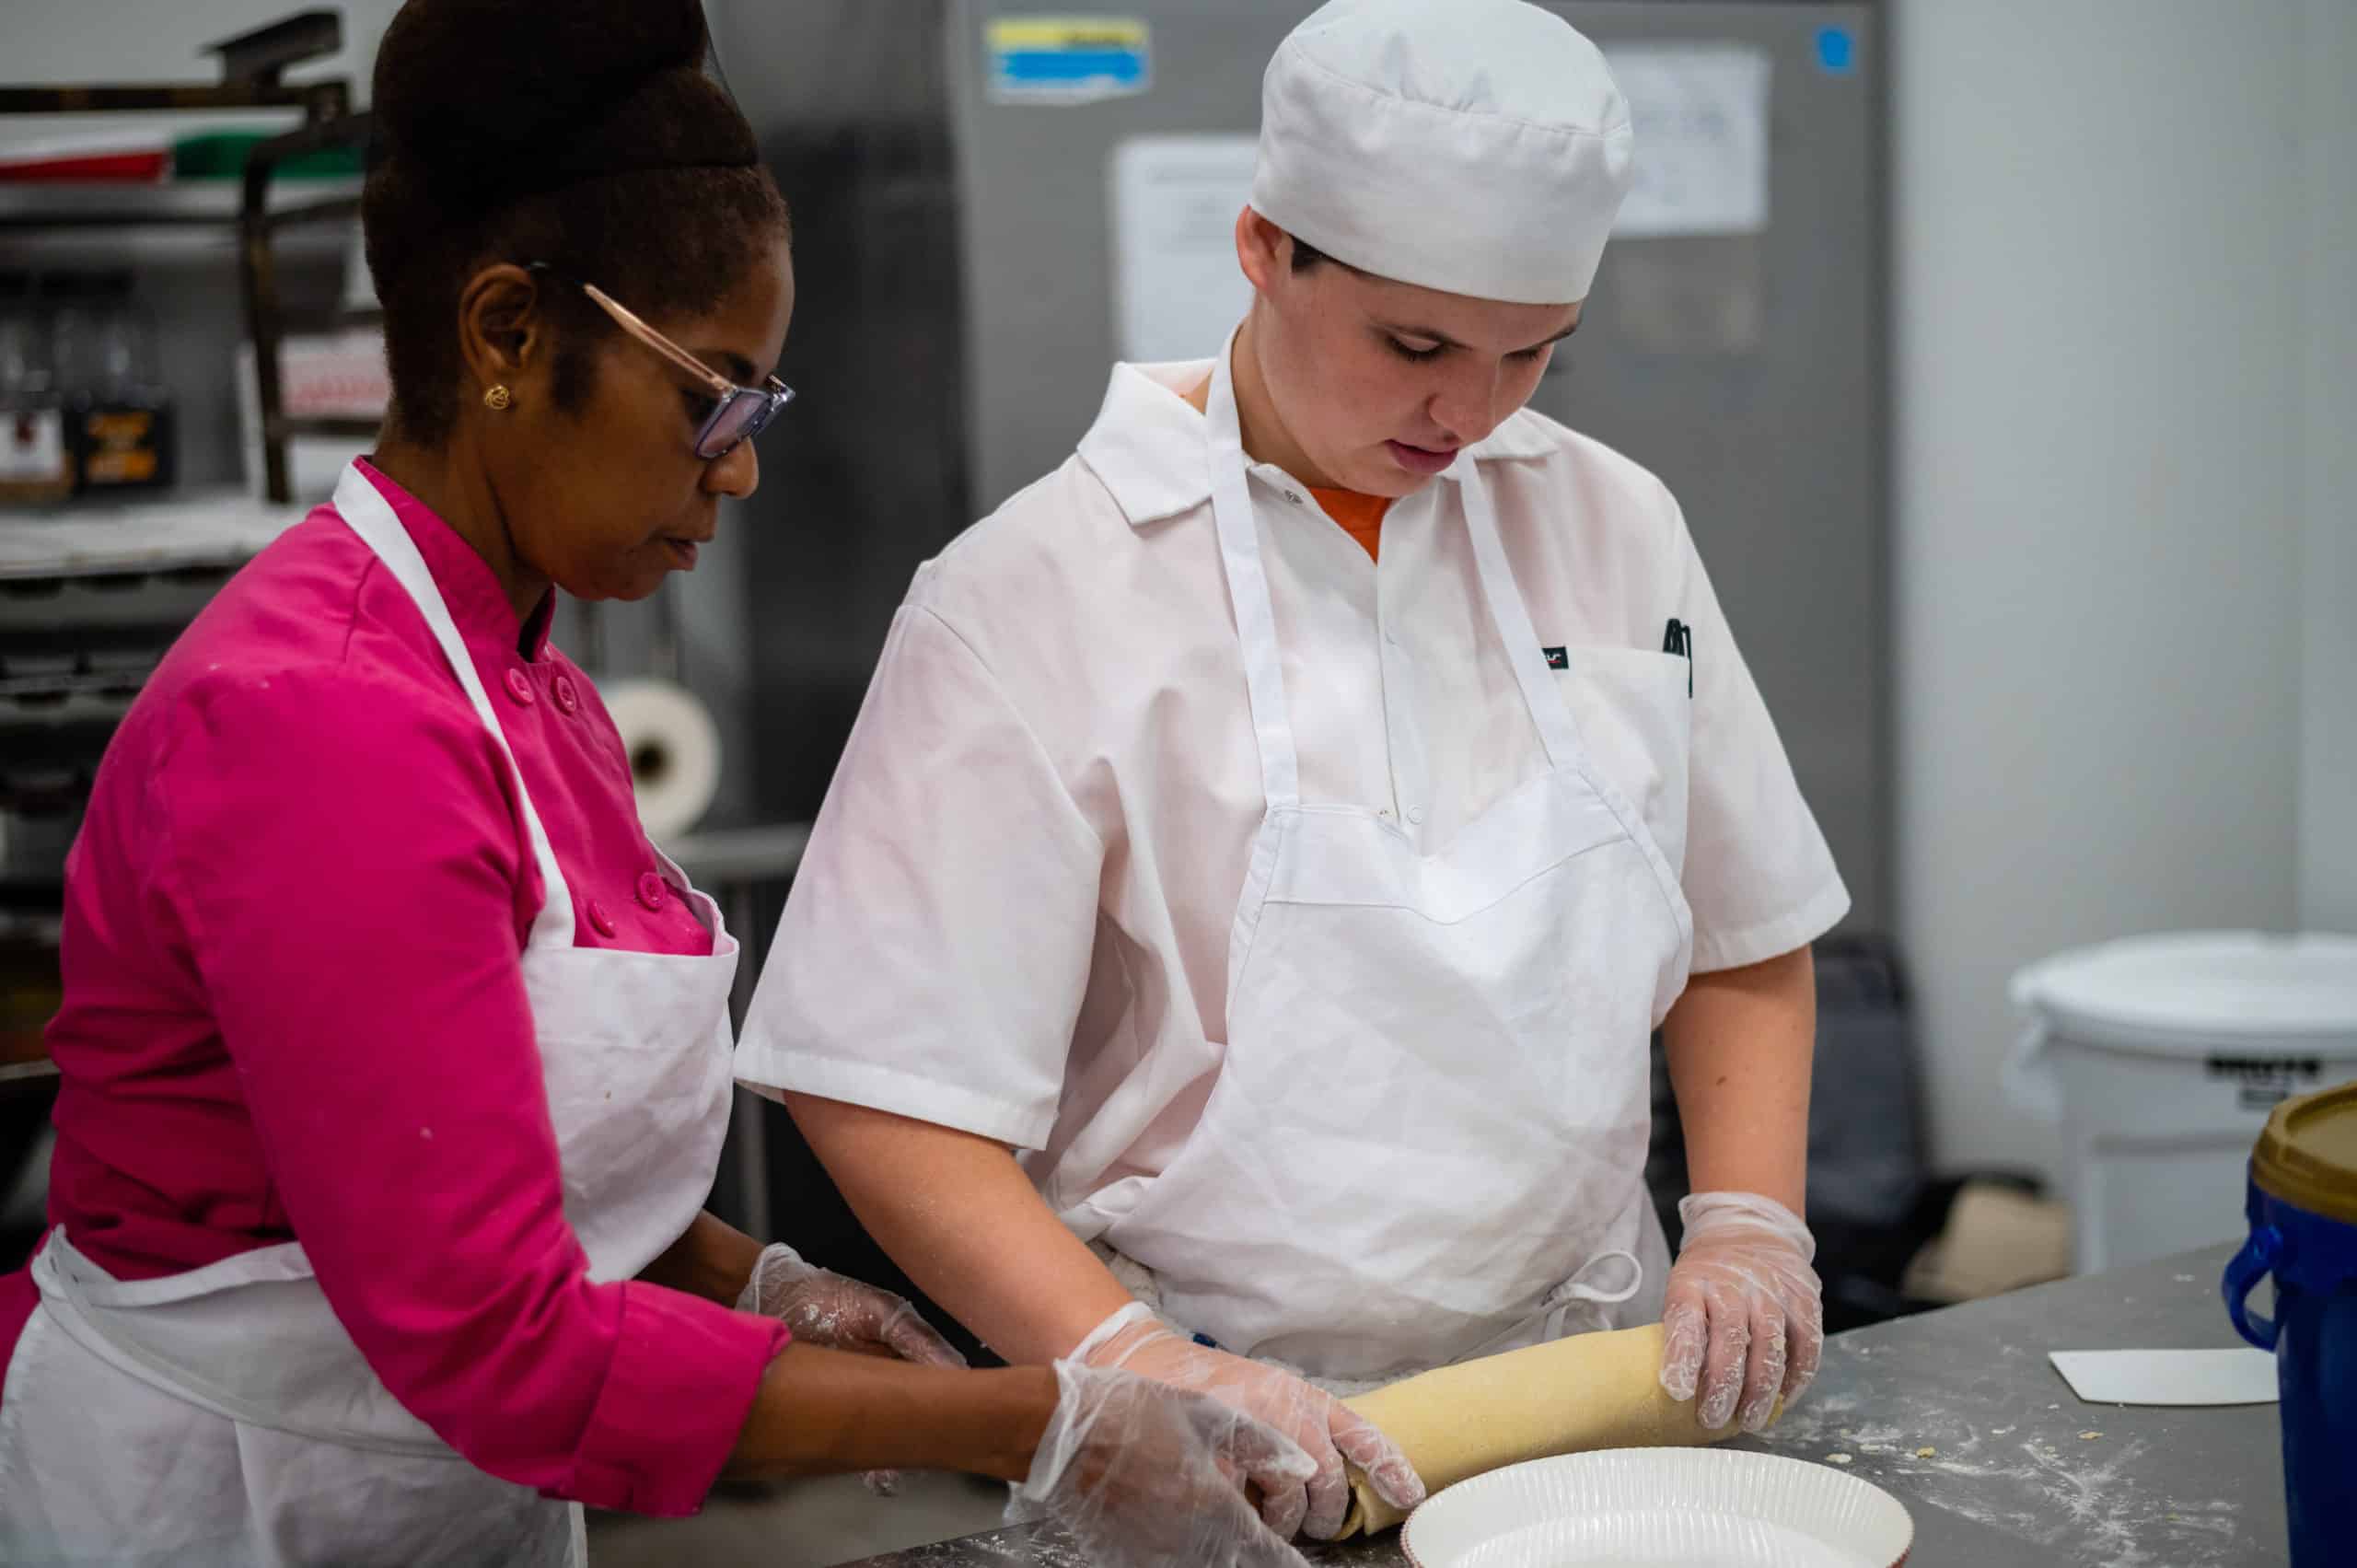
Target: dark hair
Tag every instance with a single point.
(1305, 256)
(587, 133)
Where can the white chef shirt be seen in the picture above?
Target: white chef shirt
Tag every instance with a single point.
(1012, 917)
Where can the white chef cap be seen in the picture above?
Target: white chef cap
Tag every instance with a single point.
(1476, 147)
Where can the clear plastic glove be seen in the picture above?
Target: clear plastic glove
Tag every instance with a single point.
(831, 1310)
(1144, 1476)
(1316, 1423)
(1745, 1318)
(827, 1308)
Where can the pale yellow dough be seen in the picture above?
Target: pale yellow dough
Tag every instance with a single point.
(1589, 1392)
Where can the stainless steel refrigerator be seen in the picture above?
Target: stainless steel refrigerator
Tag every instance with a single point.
(980, 234)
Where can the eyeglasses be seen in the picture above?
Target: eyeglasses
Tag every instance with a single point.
(738, 413)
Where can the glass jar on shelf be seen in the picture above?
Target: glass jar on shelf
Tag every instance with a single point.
(36, 465)
(118, 417)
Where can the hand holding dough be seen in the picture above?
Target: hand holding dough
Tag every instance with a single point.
(1745, 1312)
(1599, 1391)
(1345, 1447)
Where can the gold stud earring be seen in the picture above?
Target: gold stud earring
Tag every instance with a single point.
(497, 397)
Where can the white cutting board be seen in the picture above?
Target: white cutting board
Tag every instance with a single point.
(2168, 1376)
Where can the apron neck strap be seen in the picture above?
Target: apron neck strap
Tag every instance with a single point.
(367, 512)
(1248, 590)
(1541, 693)
(1255, 625)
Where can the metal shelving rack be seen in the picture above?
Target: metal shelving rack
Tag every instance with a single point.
(252, 76)
(91, 595)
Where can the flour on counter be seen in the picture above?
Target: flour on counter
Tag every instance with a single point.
(2082, 1502)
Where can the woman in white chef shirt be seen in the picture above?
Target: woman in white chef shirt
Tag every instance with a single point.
(1301, 918)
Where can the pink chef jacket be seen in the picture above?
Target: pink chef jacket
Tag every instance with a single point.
(293, 924)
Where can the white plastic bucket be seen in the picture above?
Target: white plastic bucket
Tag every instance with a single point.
(2160, 1057)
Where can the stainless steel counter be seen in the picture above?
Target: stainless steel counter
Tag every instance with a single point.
(2014, 1478)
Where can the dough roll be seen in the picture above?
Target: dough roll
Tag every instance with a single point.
(1600, 1390)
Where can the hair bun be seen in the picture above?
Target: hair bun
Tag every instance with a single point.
(498, 99)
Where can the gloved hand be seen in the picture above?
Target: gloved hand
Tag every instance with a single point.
(1144, 1476)
(1746, 1317)
(1319, 1424)
(826, 1309)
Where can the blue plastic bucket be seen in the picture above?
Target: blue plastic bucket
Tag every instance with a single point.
(2302, 1211)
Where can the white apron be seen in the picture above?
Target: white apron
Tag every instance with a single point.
(224, 1416)
(1427, 1140)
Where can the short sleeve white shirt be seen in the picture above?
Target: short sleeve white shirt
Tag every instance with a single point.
(1012, 917)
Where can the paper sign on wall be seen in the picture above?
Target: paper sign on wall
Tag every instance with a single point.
(1700, 113)
(1176, 287)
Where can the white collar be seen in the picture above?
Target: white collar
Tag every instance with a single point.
(1147, 443)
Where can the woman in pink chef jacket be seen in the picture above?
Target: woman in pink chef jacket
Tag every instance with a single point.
(395, 1059)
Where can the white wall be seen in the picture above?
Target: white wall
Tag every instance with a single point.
(2109, 310)
(2329, 771)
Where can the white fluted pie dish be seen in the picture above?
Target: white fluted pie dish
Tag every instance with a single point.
(1661, 1508)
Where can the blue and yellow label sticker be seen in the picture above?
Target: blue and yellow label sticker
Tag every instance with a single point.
(1067, 59)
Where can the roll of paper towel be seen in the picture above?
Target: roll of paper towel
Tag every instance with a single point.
(674, 752)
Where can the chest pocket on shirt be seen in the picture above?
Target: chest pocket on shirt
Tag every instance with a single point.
(1637, 722)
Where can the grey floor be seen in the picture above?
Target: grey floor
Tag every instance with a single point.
(811, 1524)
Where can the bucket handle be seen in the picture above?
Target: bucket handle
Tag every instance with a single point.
(2253, 1263)
(2029, 1077)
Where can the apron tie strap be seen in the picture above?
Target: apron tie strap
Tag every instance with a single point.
(1578, 1291)
(1577, 1288)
